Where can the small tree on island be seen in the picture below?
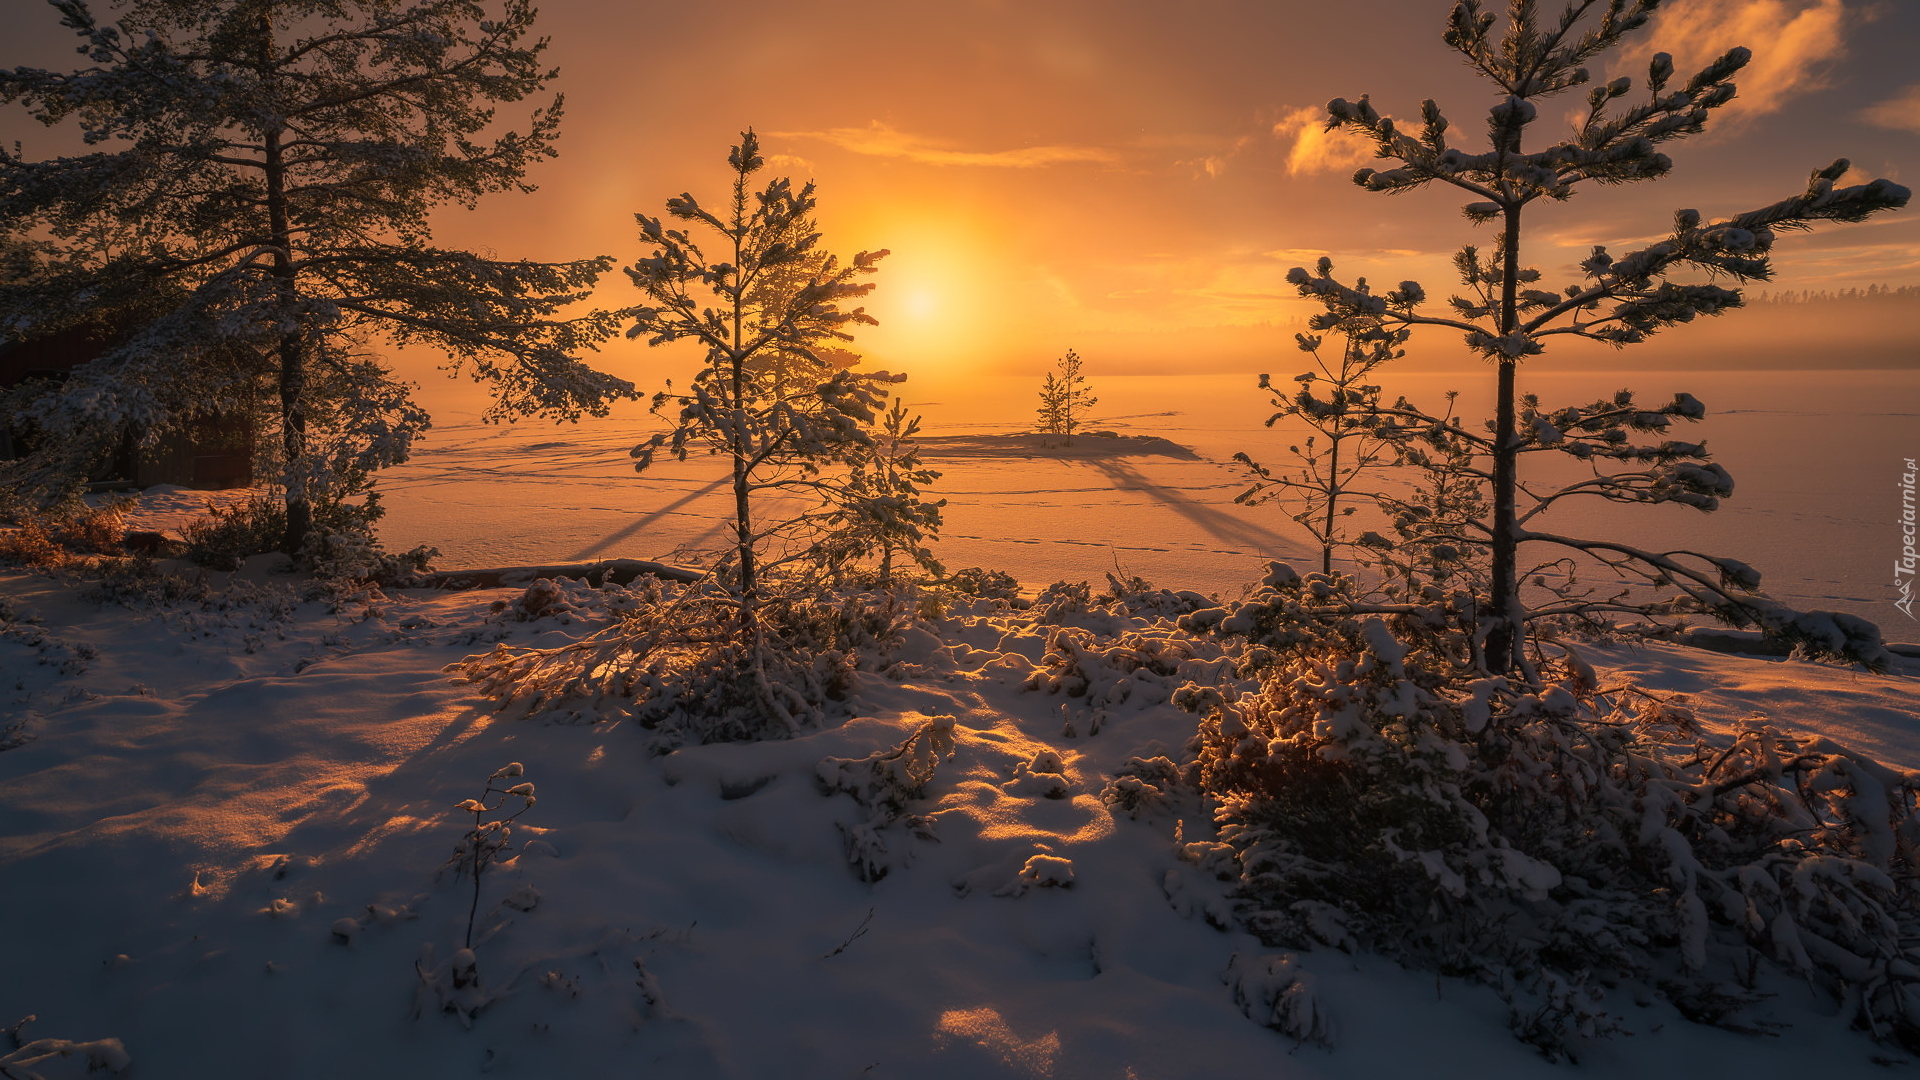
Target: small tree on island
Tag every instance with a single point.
(1064, 397)
(263, 217)
(1621, 301)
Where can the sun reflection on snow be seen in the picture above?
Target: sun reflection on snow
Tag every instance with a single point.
(986, 1028)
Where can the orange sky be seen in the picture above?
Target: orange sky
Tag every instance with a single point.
(1133, 178)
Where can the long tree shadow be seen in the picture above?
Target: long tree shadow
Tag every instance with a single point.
(625, 531)
(1224, 527)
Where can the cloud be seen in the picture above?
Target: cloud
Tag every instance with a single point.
(1214, 165)
(1901, 112)
(881, 140)
(1316, 150)
(789, 161)
(1793, 43)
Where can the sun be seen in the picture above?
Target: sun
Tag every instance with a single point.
(930, 297)
(921, 304)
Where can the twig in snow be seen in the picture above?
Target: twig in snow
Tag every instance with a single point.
(858, 933)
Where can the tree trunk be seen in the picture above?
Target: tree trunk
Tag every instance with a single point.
(293, 361)
(742, 484)
(293, 439)
(1505, 639)
(292, 345)
(1333, 459)
(1333, 502)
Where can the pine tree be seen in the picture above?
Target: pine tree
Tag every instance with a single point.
(796, 372)
(764, 643)
(1063, 397)
(778, 434)
(880, 511)
(1348, 442)
(261, 221)
(1507, 319)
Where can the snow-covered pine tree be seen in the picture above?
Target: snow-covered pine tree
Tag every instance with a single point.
(765, 643)
(1346, 443)
(1506, 318)
(1415, 776)
(796, 372)
(880, 511)
(1064, 395)
(779, 434)
(256, 219)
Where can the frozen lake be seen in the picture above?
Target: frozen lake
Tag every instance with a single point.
(1815, 456)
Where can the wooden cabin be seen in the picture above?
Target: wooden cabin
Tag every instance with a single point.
(215, 452)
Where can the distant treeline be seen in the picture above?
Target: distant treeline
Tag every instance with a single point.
(1876, 293)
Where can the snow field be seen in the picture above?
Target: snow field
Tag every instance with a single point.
(210, 806)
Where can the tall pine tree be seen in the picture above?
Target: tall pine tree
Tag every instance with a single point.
(1506, 318)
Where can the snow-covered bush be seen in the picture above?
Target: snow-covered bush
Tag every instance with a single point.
(54, 537)
(22, 1054)
(544, 598)
(1144, 787)
(32, 544)
(1040, 871)
(1062, 600)
(968, 588)
(226, 536)
(981, 582)
(1043, 776)
(884, 783)
(189, 601)
(1126, 603)
(671, 659)
(355, 555)
(1537, 837)
(1107, 672)
(1137, 597)
(1277, 992)
(341, 545)
(1118, 650)
(890, 779)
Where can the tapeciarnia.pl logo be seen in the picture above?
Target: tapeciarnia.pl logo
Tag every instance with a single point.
(1903, 567)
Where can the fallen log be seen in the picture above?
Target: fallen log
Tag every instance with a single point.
(618, 571)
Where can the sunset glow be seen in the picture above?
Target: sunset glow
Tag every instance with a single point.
(1090, 169)
(1136, 180)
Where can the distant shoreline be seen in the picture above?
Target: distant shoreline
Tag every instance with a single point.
(1091, 444)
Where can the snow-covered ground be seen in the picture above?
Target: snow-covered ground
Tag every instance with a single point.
(225, 828)
(225, 837)
(1816, 458)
